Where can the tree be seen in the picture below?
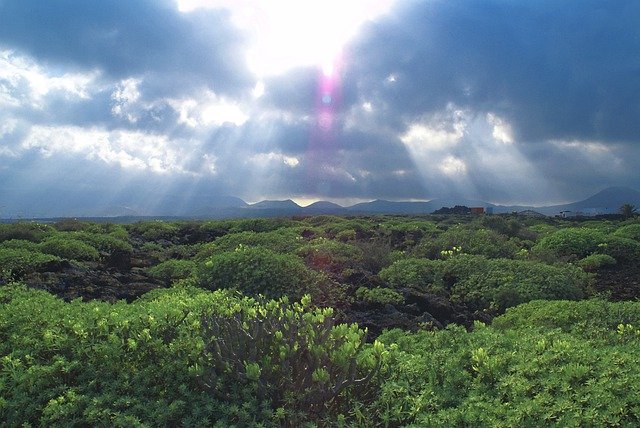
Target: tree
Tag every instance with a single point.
(628, 210)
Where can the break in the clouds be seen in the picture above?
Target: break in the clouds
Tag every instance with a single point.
(151, 104)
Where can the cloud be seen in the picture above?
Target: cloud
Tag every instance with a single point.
(504, 101)
(124, 39)
(552, 69)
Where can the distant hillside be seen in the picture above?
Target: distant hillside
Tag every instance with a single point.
(198, 205)
(279, 205)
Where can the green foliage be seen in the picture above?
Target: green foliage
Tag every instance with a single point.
(522, 372)
(282, 240)
(412, 272)
(298, 360)
(624, 250)
(257, 270)
(596, 261)
(23, 230)
(379, 295)
(20, 244)
(106, 243)
(256, 224)
(19, 261)
(154, 230)
(488, 283)
(502, 283)
(329, 255)
(67, 248)
(571, 242)
(178, 357)
(630, 231)
(484, 242)
(171, 270)
(588, 318)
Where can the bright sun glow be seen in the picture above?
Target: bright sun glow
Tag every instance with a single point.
(290, 33)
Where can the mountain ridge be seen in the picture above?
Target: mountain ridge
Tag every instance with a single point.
(606, 201)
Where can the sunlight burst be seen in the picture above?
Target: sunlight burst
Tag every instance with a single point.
(291, 33)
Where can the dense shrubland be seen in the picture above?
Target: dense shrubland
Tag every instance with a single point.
(462, 321)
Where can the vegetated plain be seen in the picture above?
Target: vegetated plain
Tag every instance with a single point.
(321, 321)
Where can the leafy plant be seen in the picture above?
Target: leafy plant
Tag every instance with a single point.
(171, 270)
(379, 295)
(257, 270)
(575, 242)
(67, 248)
(596, 261)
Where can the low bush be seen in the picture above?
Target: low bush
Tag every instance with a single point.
(71, 249)
(483, 242)
(154, 230)
(412, 272)
(630, 231)
(624, 250)
(177, 357)
(329, 255)
(503, 283)
(523, 377)
(23, 230)
(379, 296)
(171, 270)
(20, 244)
(19, 261)
(596, 261)
(257, 270)
(571, 242)
(282, 240)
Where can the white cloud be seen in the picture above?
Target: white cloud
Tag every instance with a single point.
(209, 110)
(125, 97)
(501, 129)
(453, 166)
(128, 149)
(23, 82)
(591, 147)
(435, 133)
(267, 160)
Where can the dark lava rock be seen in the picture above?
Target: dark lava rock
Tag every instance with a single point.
(120, 260)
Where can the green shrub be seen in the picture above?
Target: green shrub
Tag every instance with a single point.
(282, 240)
(176, 357)
(20, 244)
(630, 231)
(523, 377)
(588, 318)
(330, 255)
(155, 230)
(503, 283)
(624, 250)
(297, 360)
(71, 249)
(571, 242)
(484, 242)
(379, 295)
(596, 261)
(23, 230)
(103, 242)
(483, 283)
(171, 270)
(414, 273)
(257, 270)
(19, 261)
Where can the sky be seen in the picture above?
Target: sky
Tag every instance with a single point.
(153, 103)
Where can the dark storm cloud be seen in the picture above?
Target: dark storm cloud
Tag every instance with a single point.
(129, 38)
(563, 70)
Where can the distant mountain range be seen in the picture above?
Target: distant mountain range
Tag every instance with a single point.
(607, 201)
